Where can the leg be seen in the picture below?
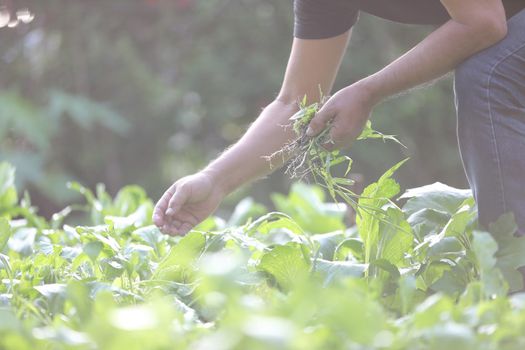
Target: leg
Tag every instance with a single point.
(490, 101)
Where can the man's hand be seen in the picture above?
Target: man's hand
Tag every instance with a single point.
(186, 203)
(348, 110)
(312, 65)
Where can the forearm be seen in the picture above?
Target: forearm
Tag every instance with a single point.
(312, 66)
(435, 56)
(248, 158)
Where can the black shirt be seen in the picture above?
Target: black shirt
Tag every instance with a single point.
(318, 19)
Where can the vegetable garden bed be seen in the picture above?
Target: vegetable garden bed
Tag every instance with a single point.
(426, 278)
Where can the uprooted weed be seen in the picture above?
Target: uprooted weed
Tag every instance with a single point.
(309, 160)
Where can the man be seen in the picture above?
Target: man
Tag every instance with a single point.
(483, 40)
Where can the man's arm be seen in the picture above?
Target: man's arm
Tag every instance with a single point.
(313, 64)
(474, 26)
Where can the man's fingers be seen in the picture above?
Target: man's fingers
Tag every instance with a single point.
(184, 229)
(171, 225)
(158, 220)
(339, 134)
(185, 216)
(177, 200)
(176, 228)
(342, 136)
(330, 146)
(171, 229)
(318, 123)
(162, 205)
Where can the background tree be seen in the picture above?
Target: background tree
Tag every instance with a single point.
(146, 91)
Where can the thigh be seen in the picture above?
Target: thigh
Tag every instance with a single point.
(490, 100)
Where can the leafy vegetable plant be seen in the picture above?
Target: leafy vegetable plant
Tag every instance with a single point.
(422, 276)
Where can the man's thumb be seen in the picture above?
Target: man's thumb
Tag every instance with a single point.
(319, 121)
(177, 201)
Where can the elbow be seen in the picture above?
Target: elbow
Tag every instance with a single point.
(498, 30)
(491, 31)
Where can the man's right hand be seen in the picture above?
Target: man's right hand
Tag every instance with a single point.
(186, 203)
(312, 66)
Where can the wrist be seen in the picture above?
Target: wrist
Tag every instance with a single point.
(371, 90)
(219, 180)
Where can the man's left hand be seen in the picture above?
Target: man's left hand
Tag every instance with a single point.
(347, 110)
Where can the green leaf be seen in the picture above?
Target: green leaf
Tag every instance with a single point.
(245, 210)
(369, 133)
(426, 222)
(152, 236)
(485, 248)
(328, 242)
(350, 246)
(396, 238)
(449, 278)
(93, 249)
(446, 247)
(273, 221)
(431, 312)
(23, 241)
(510, 253)
(286, 264)
(101, 234)
(55, 295)
(8, 194)
(178, 264)
(8, 321)
(349, 165)
(373, 198)
(332, 271)
(78, 294)
(64, 336)
(343, 181)
(305, 205)
(437, 196)
(504, 227)
(140, 217)
(407, 292)
(386, 266)
(459, 222)
(84, 191)
(52, 290)
(450, 335)
(128, 201)
(277, 331)
(5, 232)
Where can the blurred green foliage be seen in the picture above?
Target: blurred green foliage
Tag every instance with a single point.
(146, 91)
(272, 280)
